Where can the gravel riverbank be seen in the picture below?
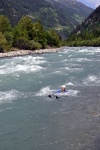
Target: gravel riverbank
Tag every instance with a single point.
(28, 52)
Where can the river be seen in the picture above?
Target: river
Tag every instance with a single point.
(30, 120)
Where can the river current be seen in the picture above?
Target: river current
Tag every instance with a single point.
(30, 120)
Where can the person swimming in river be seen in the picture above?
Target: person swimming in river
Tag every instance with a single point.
(62, 90)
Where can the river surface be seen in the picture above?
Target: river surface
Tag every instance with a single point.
(30, 120)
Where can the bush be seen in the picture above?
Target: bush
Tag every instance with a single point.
(21, 43)
(34, 45)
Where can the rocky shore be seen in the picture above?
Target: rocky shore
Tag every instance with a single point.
(28, 52)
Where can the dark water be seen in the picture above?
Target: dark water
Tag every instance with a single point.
(29, 120)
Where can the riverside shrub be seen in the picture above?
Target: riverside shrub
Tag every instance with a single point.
(21, 43)
(34, 45)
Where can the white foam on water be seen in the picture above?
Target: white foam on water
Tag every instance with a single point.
(83, 59)
(70, 49)
(34, 60)
(86, 60)
(22, 64)
(73, 69)
(90, 50)
(65, 60)
(67, 68)
(9, 96)
(17, 76)
(92, 80)
(70, 83)
(28, 58)
(97, 50)
(73, 92)
(44, 91)
(26, 68)
(57, 72)
(20, 68)
(5, 109)
(86, 50)
(70, 56)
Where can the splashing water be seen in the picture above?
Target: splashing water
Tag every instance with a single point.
(30, 120)
(8, 96)
(44, 91)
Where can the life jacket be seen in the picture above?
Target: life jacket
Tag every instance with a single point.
(59, 91)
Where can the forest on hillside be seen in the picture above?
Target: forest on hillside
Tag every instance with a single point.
(62, 15)
(26, 35)
(86, 38)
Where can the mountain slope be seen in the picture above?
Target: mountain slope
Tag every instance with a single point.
(76, 7)
(59, 14)
(88, 33)
(92, 22)
(71, 13)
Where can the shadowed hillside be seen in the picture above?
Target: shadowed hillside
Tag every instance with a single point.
(63, 15)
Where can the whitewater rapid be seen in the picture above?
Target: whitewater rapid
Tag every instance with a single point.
(29, 119)
(72, 61)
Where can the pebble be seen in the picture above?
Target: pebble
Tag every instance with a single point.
(28, 52)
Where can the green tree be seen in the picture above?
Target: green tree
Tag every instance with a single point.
(18, 32)
(52, 38)
(3, 42)
(9, 37)
(39, 34)
(4, 24)
(25, 25)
